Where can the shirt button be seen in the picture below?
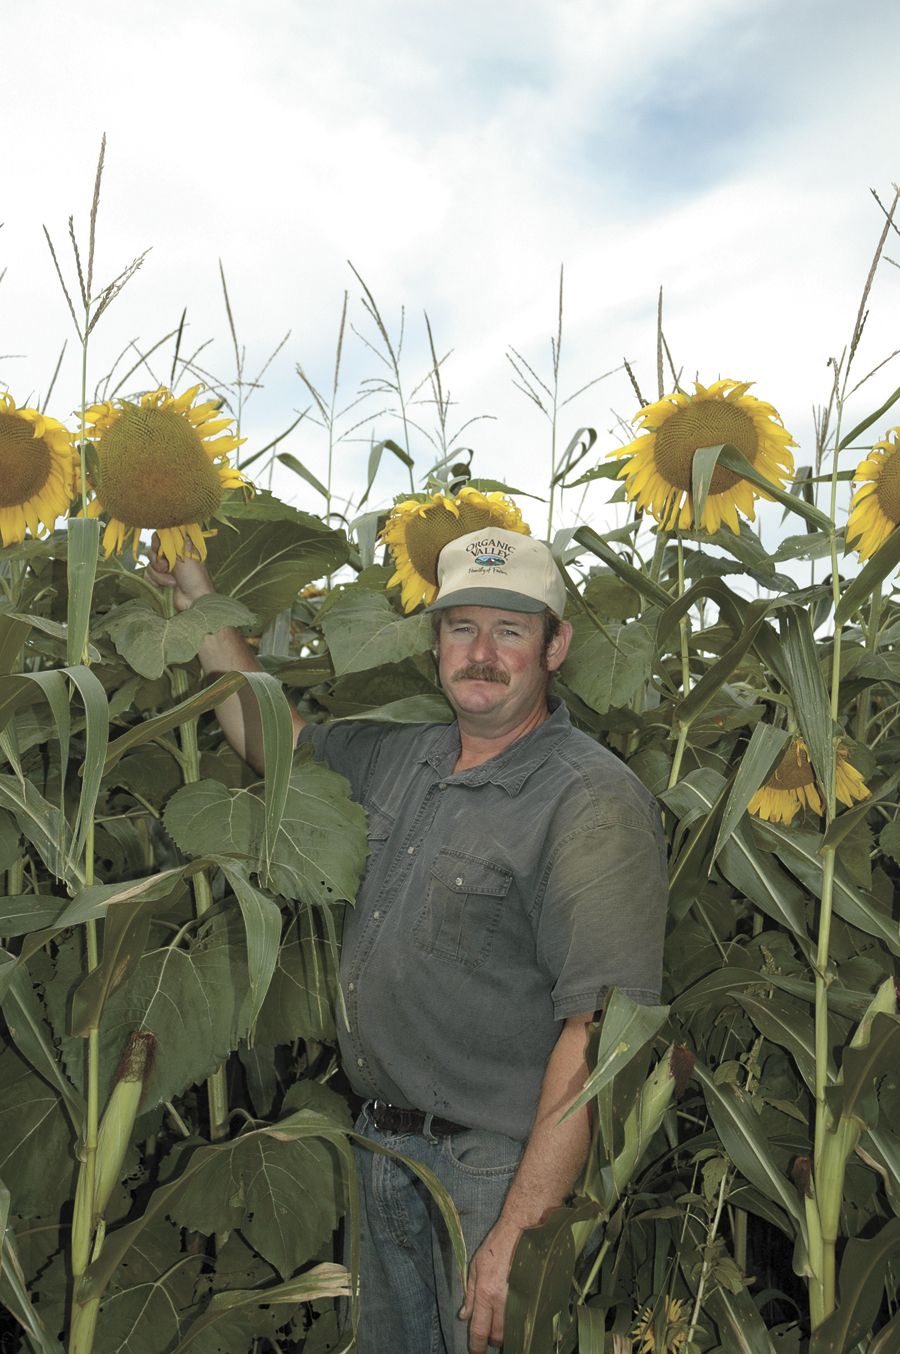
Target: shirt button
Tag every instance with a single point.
(360, 1062)
(351, 987)
(410, 850)
(459, 881)
(376, 916)
(443, 785)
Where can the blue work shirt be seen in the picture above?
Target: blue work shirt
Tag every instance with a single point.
(496, 902)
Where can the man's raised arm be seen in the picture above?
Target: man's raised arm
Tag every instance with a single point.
(225, 651)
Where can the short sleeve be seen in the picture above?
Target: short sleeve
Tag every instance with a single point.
(349, 748)
(602, 916)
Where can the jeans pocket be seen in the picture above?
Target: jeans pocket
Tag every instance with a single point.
(464, 901)
(482, 1154)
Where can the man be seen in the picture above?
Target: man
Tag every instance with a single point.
(516, 873)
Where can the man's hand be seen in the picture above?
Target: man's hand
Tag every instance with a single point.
(487, 1286)
(189, 577)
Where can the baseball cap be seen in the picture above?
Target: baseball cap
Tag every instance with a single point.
(498, 568)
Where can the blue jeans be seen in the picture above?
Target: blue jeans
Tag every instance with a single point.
(409, 1290)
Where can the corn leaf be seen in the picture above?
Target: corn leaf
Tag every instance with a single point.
(540, 1278)
(325, 1280)
(745, 1142)
(757, 762)
(262, 924)
(14, 1293)
(869, 578)
(626, 1029)
(860, 1289)
(732, 459)
(28, 1029)
(810, 699)
(638, 579)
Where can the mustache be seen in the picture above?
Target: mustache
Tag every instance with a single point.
(481, 672)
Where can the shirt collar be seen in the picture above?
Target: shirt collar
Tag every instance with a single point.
(511, 767)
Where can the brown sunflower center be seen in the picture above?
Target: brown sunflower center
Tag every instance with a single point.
(793, 771)
(426, 536)
(703, 423)
(154, 471)
(887, 490)
(24, 461)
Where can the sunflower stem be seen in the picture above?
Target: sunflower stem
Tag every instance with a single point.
(683, 625)
(216, 1087)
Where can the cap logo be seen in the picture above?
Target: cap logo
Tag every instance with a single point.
(490, 553)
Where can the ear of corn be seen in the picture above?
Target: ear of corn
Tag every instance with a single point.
(120, 1114)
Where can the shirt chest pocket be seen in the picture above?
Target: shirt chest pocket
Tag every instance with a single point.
(464, 901)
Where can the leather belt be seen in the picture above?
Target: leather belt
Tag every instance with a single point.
(393, 1119)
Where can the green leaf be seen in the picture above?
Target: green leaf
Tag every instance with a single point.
(861, 1290)
(301, 997)
(203, 990)
(262, 925)
(14, 1294)
(96, 711)
(125, 933)
(800, 852)
(278, 750)
(264, 563)
(27, 1027)
(591, 1329)
(37, 1158)
(638, 579)
(286, 1196)
(810, 699)
(364, 631)
(812, 545)
(540, 1279)
(627, 1028)
(716, 676)
(300, 469)
(703, 467)
(22, 913)
(81, 566)
(732, 459)
(740, 1327)
(14, 630)
(869, 420)
(319, 850)
(761, 755)
(869, 579)
(605, 670)
(325, 1280)
(889, 841)
(149, 642)
(428, 708)
(860, 1066)
(743, 1138)
(788, 1024)
(41, 823)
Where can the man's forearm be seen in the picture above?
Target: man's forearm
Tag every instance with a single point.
(228, 651)
(556, 1152)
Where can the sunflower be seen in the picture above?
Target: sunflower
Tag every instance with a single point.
(875, 507)
(160, 465)
(417, 531)
(677, 1328)
(657, 473)
(792, 785)
(37, 471)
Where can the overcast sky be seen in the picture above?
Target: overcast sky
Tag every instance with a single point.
(457, 154)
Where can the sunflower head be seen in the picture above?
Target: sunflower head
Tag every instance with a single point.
(657, 472)
(161, 464)
(875, 507)
(792, 785)
(675, 1331)
(418, 529)
(37, 471)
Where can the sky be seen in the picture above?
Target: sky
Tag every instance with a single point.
(456, 155)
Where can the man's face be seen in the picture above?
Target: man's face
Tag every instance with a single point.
(491, 666)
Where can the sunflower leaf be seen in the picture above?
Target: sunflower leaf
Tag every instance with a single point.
(263, 561)
(363, 631)
(149, 642)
